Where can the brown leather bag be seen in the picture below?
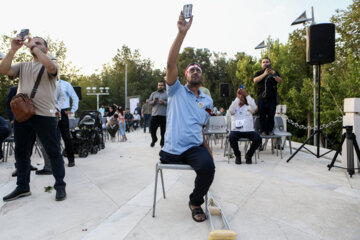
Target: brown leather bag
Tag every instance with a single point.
(21, 104)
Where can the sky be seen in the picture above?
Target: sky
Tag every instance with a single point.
(93, 30)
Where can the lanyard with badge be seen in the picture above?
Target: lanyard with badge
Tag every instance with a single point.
(239, 123)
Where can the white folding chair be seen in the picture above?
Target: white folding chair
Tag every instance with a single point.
(158, 168)
(216, 126)
(280, 130)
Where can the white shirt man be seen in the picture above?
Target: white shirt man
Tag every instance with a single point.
(241, 111)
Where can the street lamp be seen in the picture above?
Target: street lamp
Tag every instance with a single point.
(93, 89)
(262, 45)
(125, 85)
(303, 19)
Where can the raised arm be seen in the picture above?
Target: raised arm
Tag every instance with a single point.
(171, 69)
(5, 65)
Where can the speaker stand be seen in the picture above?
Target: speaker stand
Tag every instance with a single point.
(351, 145)
(318, 132)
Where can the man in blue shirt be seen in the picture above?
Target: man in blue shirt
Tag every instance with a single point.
(187, 112)
(69, 92)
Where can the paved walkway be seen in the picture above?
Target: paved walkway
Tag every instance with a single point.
(110, 197)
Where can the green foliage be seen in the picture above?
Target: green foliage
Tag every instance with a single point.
(339, 80)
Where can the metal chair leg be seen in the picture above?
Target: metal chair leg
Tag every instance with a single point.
(162, 182)
(155, 190)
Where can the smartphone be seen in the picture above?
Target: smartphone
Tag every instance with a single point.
(23, 33)
(241, 86)
(268, 66)
(187, 11)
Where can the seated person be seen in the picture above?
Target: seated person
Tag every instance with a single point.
(184, 137)
(241, 111)
(129, 120)
(221, 112)
(112, 125)
(136, 119)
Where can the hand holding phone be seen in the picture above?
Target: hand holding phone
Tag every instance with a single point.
(187, 11)
(241, 86)
(23, 33)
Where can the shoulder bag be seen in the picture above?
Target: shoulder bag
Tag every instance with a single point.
(22, 105)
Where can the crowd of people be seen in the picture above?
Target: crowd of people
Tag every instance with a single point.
(181, 112)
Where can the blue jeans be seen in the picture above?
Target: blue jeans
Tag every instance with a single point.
(122, 128)
(147, 118)
(45, 128)
(201, 161)
(253, 136)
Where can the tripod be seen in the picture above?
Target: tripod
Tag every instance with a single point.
(317, 132)
(351, 143)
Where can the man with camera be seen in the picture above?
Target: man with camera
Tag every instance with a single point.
(241, 111)
(43, 123)
(267, 80)
(158, 101)
(188, 110)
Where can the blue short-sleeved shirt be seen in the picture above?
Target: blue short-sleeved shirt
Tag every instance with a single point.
(185, 117)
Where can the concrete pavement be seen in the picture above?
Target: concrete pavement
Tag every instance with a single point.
(110, 197)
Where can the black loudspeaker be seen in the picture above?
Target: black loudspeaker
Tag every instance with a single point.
(224, 89)
(78, 92)
(320, 44)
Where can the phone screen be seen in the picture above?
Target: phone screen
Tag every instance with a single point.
(187, 11)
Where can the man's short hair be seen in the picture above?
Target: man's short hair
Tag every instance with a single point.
(161, 81)
(266, 58)
(45, 43)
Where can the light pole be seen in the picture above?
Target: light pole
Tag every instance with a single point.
(93, 89)
(303, 19)
(262, 45)
(125, 85)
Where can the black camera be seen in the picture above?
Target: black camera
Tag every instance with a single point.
(268, 66)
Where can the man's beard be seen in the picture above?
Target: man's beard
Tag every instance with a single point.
(195, 81)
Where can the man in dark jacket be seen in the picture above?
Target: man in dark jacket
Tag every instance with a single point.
(267, 80)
